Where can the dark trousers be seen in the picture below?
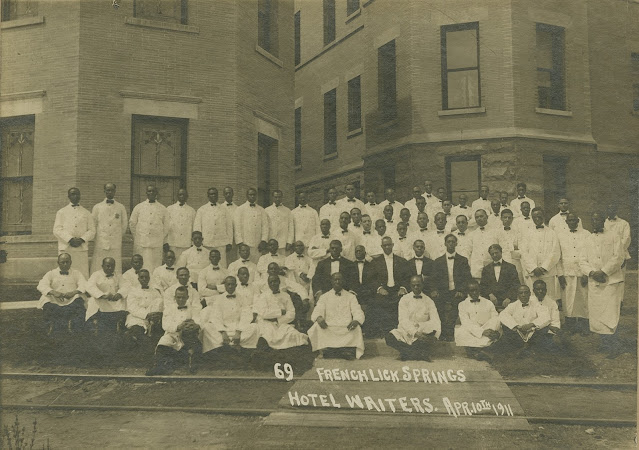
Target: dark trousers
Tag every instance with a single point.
(512, 341)
(60, 316)
(447, 308)
(381, 313)
(416, 350)
(110, 321)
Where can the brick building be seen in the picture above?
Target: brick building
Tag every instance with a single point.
(193, 93)
(463, 93)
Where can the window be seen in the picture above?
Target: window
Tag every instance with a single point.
(386, 82)
(267, 180)
(330, 122)
(351, 6)
(16, 177)
(173, 11)
(551, 90)
(463, 176)
(354, 104)
(634, 59)
(298, 38)
(298, 137)
(267, 37)
(460, 66)
(158, 157)
(329, 21)
(17, 9)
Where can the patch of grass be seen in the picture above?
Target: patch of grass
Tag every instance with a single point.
(15, 437)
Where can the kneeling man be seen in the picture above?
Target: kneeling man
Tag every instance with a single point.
(480, 326)
(338, 319)
(419, 325)
(525, 322)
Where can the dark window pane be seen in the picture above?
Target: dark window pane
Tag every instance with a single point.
(298, 136)
(387, 87)
(354, 104)
(351, 6)
(17, 9)
(298, 37)
(173, 11)
(461, 86)
(330, 122)
(550, 67)
(329, 21)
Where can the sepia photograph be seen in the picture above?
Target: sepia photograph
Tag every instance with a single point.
(303, 224)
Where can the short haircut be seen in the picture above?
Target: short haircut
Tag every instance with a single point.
(142, 270)
(497, 246)
(506, 211)
(537, 208)
(521, 184)
(182, 290)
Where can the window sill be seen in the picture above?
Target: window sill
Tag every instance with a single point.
(353, 133)
(161, 25)
(553, 112)
(269, 56)
(462, 111)
(331, 156)
(388, 124)
(26, 21)
(354, 14)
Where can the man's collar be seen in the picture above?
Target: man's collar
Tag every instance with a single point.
(109, 201)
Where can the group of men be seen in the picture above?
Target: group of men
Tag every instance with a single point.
(412, 283)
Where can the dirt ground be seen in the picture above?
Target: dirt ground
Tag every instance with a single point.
(81, 430)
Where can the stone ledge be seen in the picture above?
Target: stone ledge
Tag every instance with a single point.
(462, 111)
(553, 112)
(160, 97)
(161, 25)
(22, 95)
(26, 21)
(275, 60)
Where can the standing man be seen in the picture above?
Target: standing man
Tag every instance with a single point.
(573, 283)
(181, 217)
(601, 259)
(251, 224)
(622, 228)
(306, 222)
(482, 202)
(412, 203)
(348, 238)
(515, 204)
(503, 200)
(330, 210)
(111, 222)
(349, 202)
(281, 226)
(494, 219)
(372, 207)
(149, 226)
(74, 228)
(428, 193)
(540, 254)
(318, 248)
(558, 221)
(479, 241)
(212, 221)
(463, 208)
(499, 279)
(390, 200)
(231, 255)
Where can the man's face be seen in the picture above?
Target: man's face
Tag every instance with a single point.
(481, 218)
(301, 198)
(370, 197)
(182, 196)
(367, 223)
(197, 239)
(483, 192)
(273, 246)
(388, 212)
(563, 205)
(274, 283)
(245, 252)
(214, 257)
(419, 248)
(420, 202)
(151, 193)
(597, 221)
(380, 227)
(611, 211)
(416, 285)
(525, 209)
(523, 295)
(273, 269)
(538, 217)
(183, 276)
(356, 215)
(417, 192)
(299, 247)
(228, 194)
(144, 278)
(212, 195)
(440, 221)
(450, 243)
(540, 290)
(230, 284)
(350, 191)
(401, 229)
(573, 221)
(503, 198)
(325, 226)
(332, 195)
(64, 262)
(404, 215)
(521, 191)
(473, 291)
(463, 199)
(335, 249)
(495, 253)
(181, 298)
(109, 191)
(441, 193)
(360, 252)
(137, 262)
(390, 195)
(462, 223)
(495, 206)
(447, 206)
(507, 219)
(243, 275)
(422, 220)
(169, 258)
(387, 246)
(337, 281)
(251, 195)
(108, 265)
(277, 198)
(74, 196)
(344, 220)
(428, 187)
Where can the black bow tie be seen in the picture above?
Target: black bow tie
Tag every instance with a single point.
(110, 202)
(419, 258)
(213, 204)
(144, 287)
(182, 307)
(230, 296)
(245, 260)
(64, 273)
(334, 259)
(367, 232)
(496, 214)
(229, 203)
(351, 200)
(181, 204)
(244, 284)
(573, 231)
(417, 296)
(199, 249)
(215, 268)
(525, 306)
(402, 238)
(563, 213)
(521, 198)
(344, 231)
(274, 255)
(276, 292)
(504, 205)
(252, 205)
(498, 263)
(423, 229)
(461, 233)
(539, 227)
(389, 221)
(338, 293)
(463, 207)
(441, 231)
(151, 201)
(109, 276)
(360, 261)
(372, 204)
(506, 228)
(325, 237)
(474, 301)
(75, 205)
(527, 218)
(450, 257)
(482, 228)
(170, 268)
(428, 195)
(331, 203)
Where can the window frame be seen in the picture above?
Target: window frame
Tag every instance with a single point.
(354, 104)
(5, 10)
(298, 38)
(184, 16)
(387, 109)
(352, 6)
(557, 72)
(329, 21)
(444, 63)
(330, 122)
(634, 75)
(449, 175)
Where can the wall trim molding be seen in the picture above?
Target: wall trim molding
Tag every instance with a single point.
(160, 97)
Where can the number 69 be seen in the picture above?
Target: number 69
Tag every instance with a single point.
(286, 374)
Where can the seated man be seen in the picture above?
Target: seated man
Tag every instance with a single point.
(338, 319)
(419, 326)
(229, 322)
(165, 275)
(525, 322)
(299, 295)
(270, 257)
(106, 303)
(499, 279)
(480, 326)
(183, 277)
(554, 329)
(210, 277)
(62, 301)
(129, 278)
(275, 312)
(181, 334)
(194, 258)
(299, 265)
(244, 261)
(145, 305)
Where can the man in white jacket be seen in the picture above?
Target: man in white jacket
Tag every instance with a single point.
(149, 226)
(111, 222)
